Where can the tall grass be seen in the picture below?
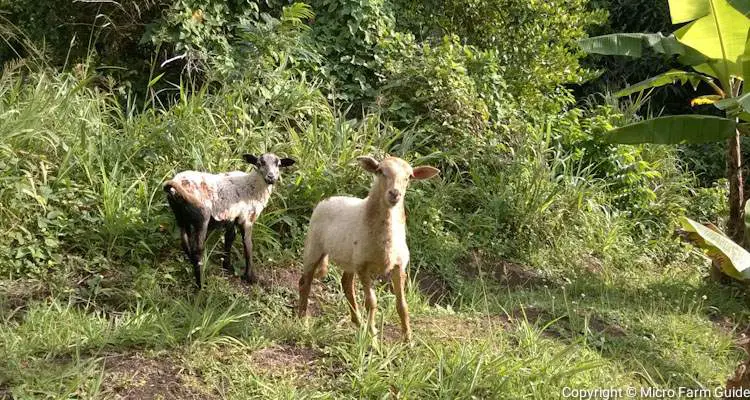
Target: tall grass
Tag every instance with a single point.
(82, 211)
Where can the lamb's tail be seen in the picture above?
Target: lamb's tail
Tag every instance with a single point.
(169, 187)
(177, 195)
(175, 190)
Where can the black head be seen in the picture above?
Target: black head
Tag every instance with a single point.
(268, 165)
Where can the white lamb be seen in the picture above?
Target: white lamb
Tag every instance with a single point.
(202, 202)
(366, 237)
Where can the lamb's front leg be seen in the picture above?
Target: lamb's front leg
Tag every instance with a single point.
(398, 280)
(247, 241)
(200, 231)
(229, 235)
(371, 302)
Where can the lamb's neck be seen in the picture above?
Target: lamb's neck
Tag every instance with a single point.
(260, 190)
(382, 219)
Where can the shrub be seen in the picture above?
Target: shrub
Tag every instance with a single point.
(431, 89)
(531, 40)
(646, 182)
(71, 32)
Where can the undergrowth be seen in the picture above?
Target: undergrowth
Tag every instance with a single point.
(540, 258)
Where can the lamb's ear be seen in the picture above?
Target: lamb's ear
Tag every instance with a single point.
(287, 162)
(424, 172)
(368, 163)
(250, 159)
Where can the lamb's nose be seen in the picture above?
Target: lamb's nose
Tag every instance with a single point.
(394, 195)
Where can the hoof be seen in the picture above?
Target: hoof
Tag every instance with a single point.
(228, 267)
(250, 279)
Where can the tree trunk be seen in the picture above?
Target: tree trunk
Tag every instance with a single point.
(736, 223)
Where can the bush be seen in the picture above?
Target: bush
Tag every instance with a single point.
(71, 32)
(523, 175)
(532, 40)
(432, 90)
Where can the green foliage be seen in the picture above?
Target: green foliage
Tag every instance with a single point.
(545, 60)
(436, 89)
(203, 29)
(474, 88)
(707, 203)
(347, 34)
(714, 44)
(670, 77)
(675, 129)
(70, 32)
(231, 37)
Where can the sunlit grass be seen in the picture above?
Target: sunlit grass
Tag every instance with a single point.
(83, 219)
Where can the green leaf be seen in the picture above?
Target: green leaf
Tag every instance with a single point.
(688, 10)
(666, 78)
(633, 44)
(739, 104)
(674, 129)
(719, 31)
(152, 82)
(731, 258)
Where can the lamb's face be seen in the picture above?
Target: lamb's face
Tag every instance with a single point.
(393, 175)
(269, 165)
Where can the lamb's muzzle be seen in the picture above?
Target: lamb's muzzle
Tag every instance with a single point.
(366, 237)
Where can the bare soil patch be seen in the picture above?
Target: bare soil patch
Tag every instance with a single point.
(562, 328)
(740, 380)
(280, 360)
(433, 287)
(285, 277)
(508, 273)
(608, 328)
(729, 325)
(135, 376)
(445, 328)
(15, 295)
(592, 264)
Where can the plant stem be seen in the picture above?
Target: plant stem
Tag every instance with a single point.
(736, 223)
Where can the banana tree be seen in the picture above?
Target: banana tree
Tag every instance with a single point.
(715, 45)
(732, 260)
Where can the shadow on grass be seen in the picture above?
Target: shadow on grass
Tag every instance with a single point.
(652, 327)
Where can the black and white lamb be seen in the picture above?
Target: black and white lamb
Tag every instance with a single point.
(202, 202)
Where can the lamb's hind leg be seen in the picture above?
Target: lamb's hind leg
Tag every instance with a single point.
(185, 241)
(247, 242)
(347, 283)
(305, 281)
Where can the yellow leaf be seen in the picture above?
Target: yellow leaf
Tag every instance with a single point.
(198, 16)
(708, 99)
